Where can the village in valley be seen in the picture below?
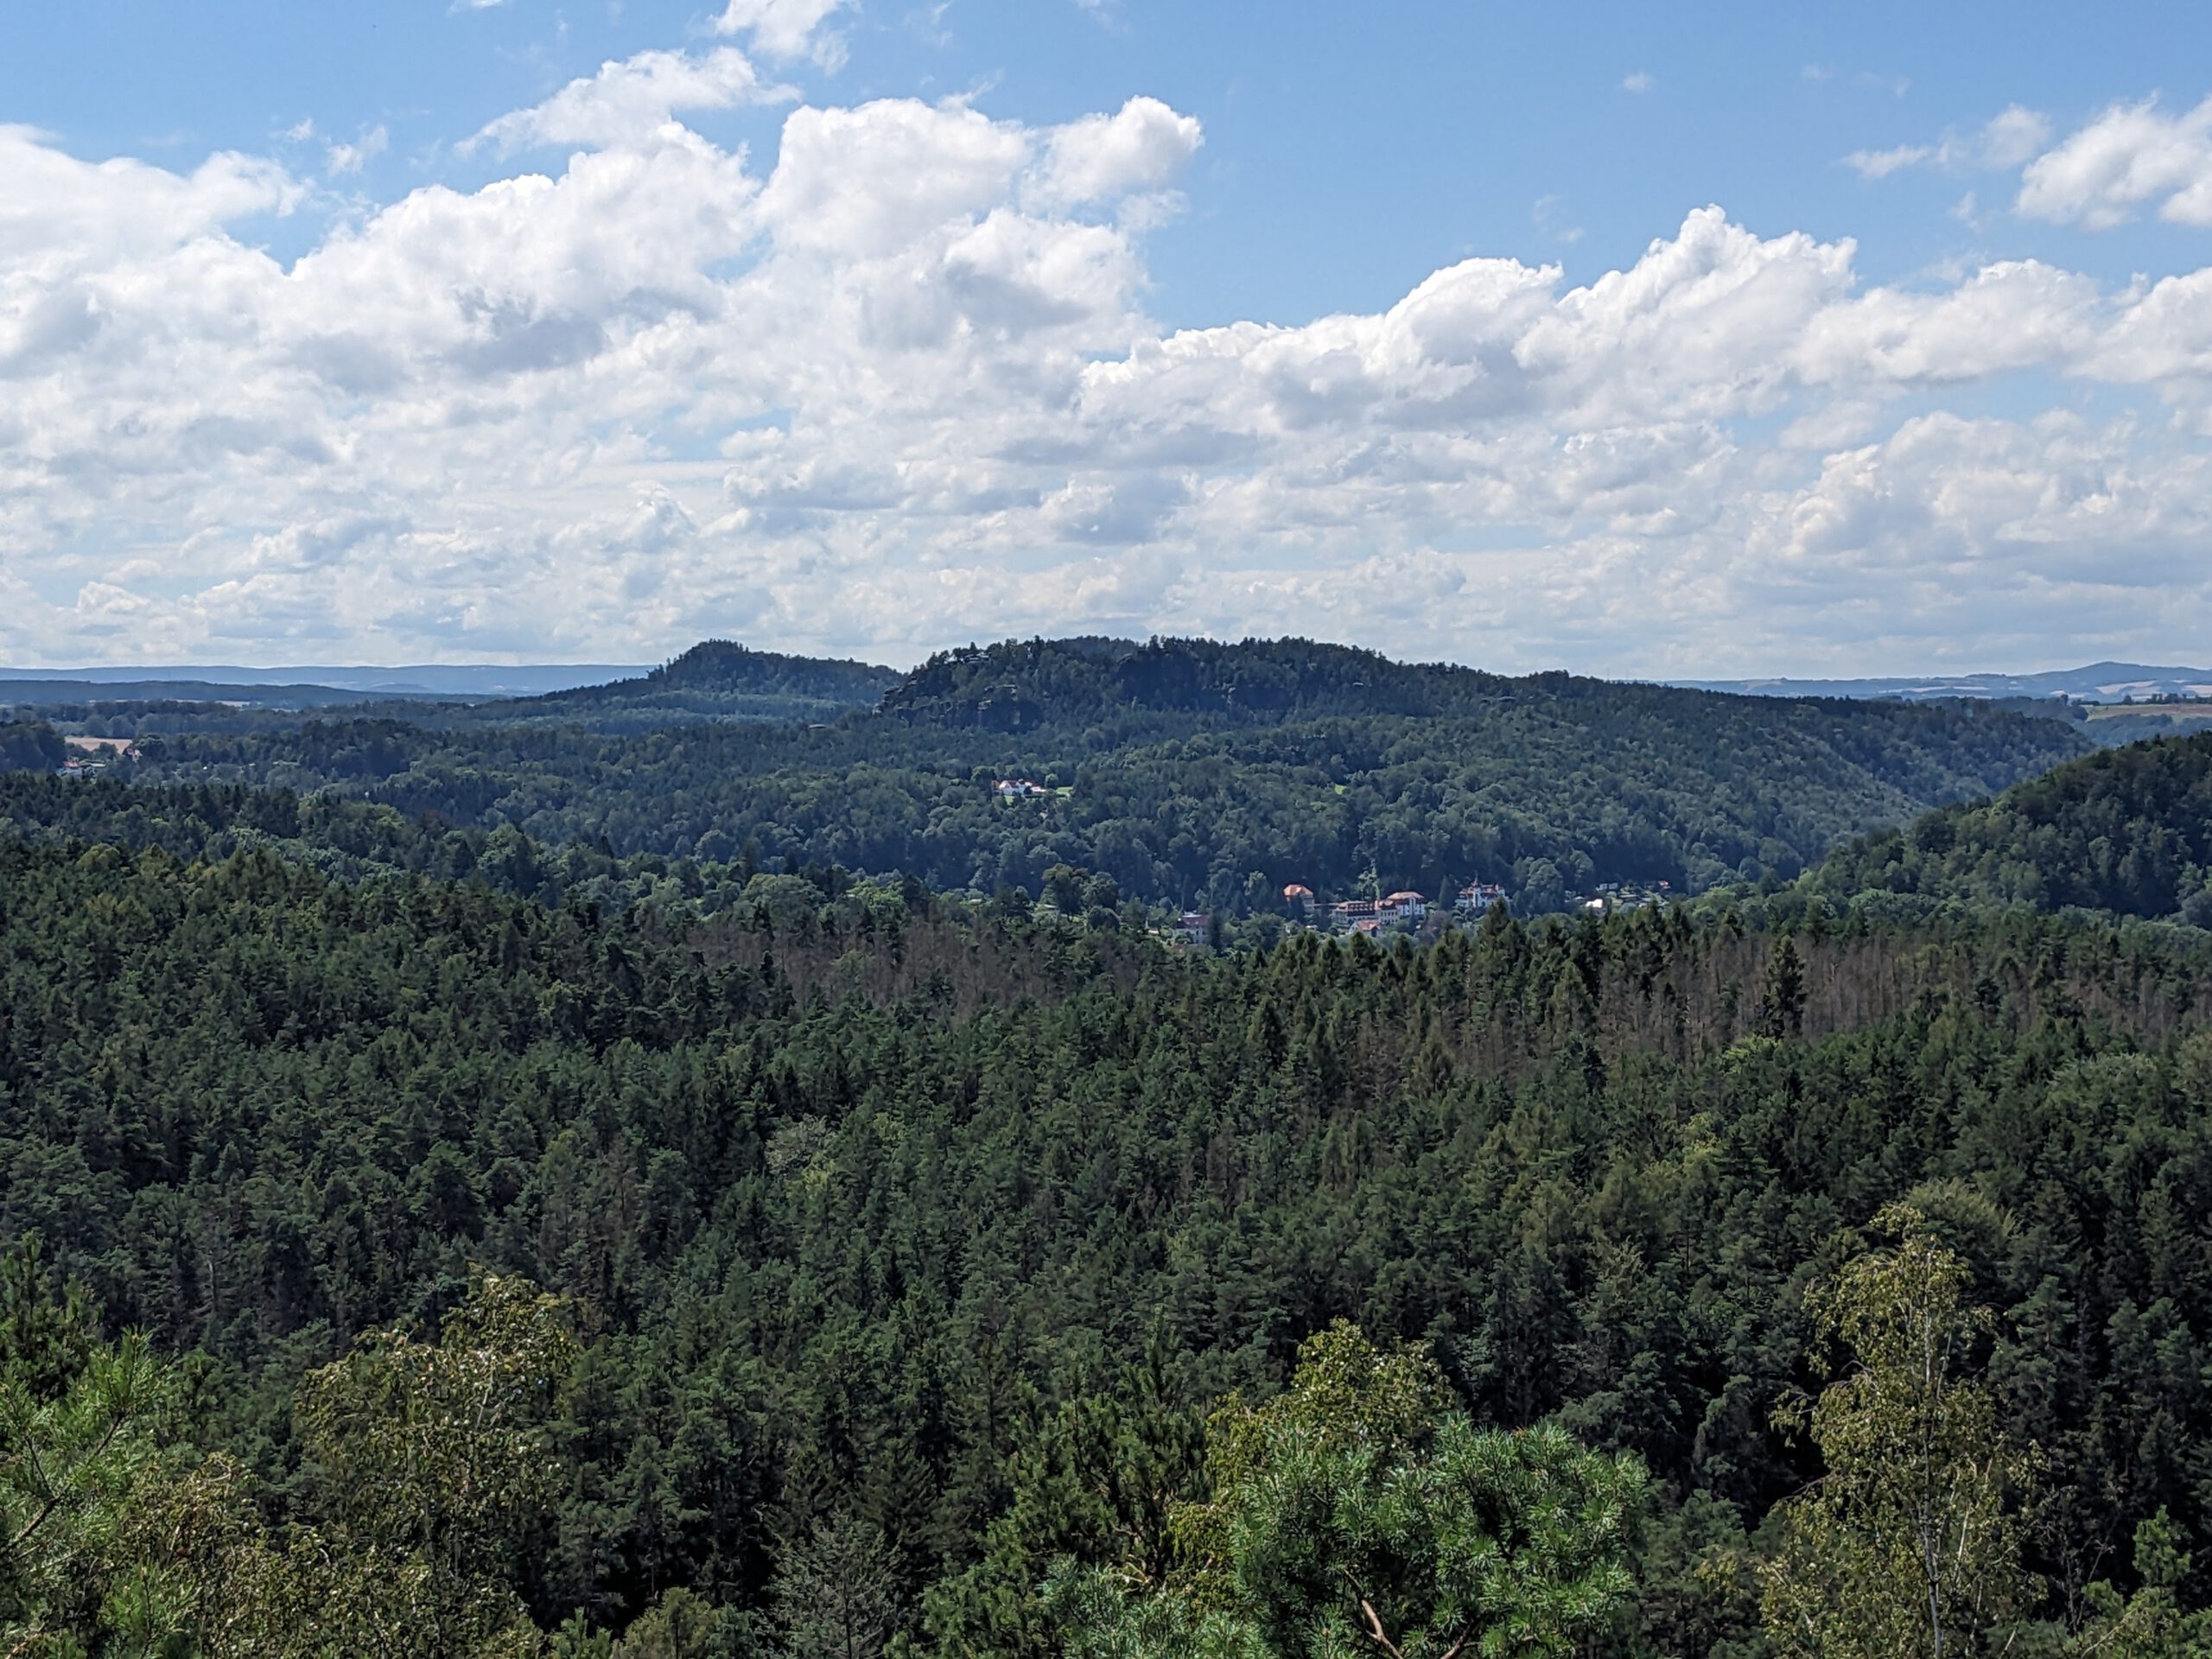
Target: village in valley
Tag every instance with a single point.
(1405, 912)
(1416, 914)
(89, 756)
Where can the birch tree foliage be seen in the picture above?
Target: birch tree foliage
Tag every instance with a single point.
(438, 1446)
(432, 1465)
(1908, 1547)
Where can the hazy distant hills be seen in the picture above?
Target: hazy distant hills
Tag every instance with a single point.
(61, 695)
(720, 679)
(2094, 683)
(713, 680)
(304, 687)
(1188, 772)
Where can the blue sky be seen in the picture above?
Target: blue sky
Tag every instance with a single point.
(1350, 149)
(1914, 398)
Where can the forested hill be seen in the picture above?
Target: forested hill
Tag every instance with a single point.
(2126, 830)
(716, 679)
(1192, 773)
(1022, 684)
(900, 1252)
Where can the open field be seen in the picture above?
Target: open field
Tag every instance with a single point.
(2202, 710)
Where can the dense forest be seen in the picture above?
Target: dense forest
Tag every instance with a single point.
(887, 1260)
(351, 839)
(521, 1189)
(2126, 830)
(1191, 775)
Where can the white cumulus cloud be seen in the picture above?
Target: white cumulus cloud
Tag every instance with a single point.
(2013, 136)
(2009, 139)
(784, 29)
(56, 208)
(902, 389)
(351, 158)
(1143, 146)
(631, 98)
(2133, 156)
(865, 182)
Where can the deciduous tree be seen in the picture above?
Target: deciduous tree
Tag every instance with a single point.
(1909, 1546)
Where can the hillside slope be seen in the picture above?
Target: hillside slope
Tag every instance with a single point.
(2127, 831)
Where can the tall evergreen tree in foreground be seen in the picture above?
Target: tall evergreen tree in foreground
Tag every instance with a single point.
(1359, 1512)
(79, 1424)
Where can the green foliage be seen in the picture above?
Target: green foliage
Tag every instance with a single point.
(834, 1593)
(1356, 1512)
(1096, 1482)
(1346, 1399)
(1193, 768)
(866, 1214)
(1909, 1546)
(426, 1467)
(1106, 1622)
(71, 1462)
(1782, 996)
(434, 1453)
(2151, 1623)
(2126, 830)
(30, 745)
(47, 1330)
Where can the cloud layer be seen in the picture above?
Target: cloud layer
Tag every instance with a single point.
(2131, 156)
(900, 390)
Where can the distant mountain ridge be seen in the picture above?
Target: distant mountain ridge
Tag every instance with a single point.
(2099, 682)
(410, 680)
(724, 665)
(2092, 683)
(1022, 684)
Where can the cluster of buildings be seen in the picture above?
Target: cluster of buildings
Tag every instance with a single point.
(1018, 789)
(1611, 896)
(89, 756)
(1413, 913)
(1403, 912)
